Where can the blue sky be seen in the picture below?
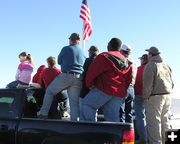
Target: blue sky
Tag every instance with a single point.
(42, 28)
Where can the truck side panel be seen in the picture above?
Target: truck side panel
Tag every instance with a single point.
(33, 131)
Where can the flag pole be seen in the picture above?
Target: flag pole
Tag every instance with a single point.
(83, 44)
(83, 41)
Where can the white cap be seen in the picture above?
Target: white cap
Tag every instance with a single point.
(125, 47)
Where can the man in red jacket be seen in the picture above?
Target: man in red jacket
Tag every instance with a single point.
(139, 101)
(108, 78)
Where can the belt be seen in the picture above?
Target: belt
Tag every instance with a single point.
(159, 94)
(74, 74)
(131, 85)
(70, 72)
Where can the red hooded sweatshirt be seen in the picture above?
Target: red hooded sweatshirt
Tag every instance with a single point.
(108, 74)
(139, 80)
(48, 75)
(37, 76)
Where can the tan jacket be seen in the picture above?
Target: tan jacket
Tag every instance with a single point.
(157, 78)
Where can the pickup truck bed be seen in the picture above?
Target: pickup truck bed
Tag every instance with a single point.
(17, 126)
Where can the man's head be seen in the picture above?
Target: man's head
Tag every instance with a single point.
(144, 59)
(93, 51)
(125, 50)
(114, 44)
(153, 51)
(74, 38)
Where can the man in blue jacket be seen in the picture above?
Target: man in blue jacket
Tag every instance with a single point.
(71, 59)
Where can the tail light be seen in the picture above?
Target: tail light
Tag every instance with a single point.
(128, 137)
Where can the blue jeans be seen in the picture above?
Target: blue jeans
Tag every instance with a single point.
(62, 98)
(72, 83)
(15, 84)
(140, 117)
(96, 99)
(126, 111)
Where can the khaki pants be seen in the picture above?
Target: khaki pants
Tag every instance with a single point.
(157, 109)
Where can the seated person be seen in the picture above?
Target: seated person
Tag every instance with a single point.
(24, 72)
(47, 76)
(36, 80)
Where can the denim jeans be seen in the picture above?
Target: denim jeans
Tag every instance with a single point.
(139, 106)
(62, 98)
(17, 84)
(72, 83)
(126, 111)
(96, 99)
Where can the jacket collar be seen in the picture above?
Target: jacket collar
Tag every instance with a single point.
(156, 58)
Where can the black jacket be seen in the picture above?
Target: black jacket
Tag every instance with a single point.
(86, 65)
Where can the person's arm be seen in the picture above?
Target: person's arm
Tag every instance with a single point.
(148, 79)
(42, 84)
(86, 65)
(134, 72)
(60, 56)
(127, 76)
(96, 68)
(170, 73)
(18, 72)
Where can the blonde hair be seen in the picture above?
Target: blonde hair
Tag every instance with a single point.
(51, 61)
(29, 58)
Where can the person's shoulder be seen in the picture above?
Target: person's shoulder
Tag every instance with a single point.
(65, 48)
(141, 67)
(50, 70)
(89, 59)
(26, 65)
(57, 69)
(130, 59)
(150, 66)
(20, 65)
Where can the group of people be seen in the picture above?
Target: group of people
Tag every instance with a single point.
(109, 81)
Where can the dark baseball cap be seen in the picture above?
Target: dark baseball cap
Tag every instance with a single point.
(93, 48)
(74, 36)
(153, 50)
(144, 57)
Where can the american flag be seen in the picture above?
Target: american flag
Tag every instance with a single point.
(85, 16)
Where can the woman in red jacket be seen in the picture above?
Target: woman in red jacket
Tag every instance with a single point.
(36, 81)
(47, 76)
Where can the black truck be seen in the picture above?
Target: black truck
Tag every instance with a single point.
(19, 124)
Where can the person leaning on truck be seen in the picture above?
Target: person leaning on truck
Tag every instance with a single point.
(157, 89)
(71, 59)
(139, 103)
(108, 78)
(126, 111)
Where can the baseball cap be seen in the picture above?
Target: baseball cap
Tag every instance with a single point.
(74, 36)
(93, 48)
(125, 47)
(153, 50)
(144, 57)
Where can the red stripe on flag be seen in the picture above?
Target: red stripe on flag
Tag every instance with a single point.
(85, 16)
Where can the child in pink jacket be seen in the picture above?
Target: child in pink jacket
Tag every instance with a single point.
(24, 71)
